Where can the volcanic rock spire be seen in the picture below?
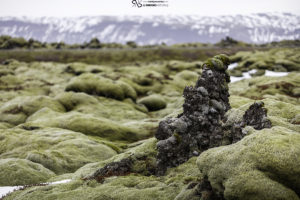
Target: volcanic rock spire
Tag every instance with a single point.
(199, 127)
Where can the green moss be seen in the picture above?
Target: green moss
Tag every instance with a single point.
(129, 187)
(17, 110)
(15, 171)
(180, 66)
(98, 85)
(153, 102)
(143, 88)
(59, 150)
(296, 120)
(78, 68)
(259, 72)
(296, 92)
(86, 124)
(99, 118)
(71, 100)
(264, 165)
(217, 64)
(236, 73)
(281, 109)
(256, 88)
(128, 90)
(137, 152)
(92, 84)
(102, 107)
(4, 125)
(132, 186)
(279, 59)
(288, 64)
(224, 58)
(188, 75)
(238, 101)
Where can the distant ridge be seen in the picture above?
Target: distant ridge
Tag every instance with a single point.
(253, 28)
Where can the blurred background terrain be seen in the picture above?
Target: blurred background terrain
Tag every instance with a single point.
(86, 84)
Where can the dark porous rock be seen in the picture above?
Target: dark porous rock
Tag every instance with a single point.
(199, 127)
(255, 116)
(207, 192)
(120, 168)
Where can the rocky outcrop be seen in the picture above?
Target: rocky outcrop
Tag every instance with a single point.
(199, 127)
(255, 116)
(202, 125)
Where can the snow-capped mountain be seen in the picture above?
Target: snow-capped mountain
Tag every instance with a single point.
(254, 28)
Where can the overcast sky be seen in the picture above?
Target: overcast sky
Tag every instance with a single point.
(62, 8)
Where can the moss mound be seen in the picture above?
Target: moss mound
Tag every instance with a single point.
(264, 165)
(153, 102)
(280, 60)
(256, 88)
(98, 85)
(132, 186)
(17, 110)
(180, 65)
(101, 107)
(59, 150)
(15, 171)
(84, 124)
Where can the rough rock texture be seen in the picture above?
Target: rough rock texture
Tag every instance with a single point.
(264, 165)
(255, 116)
(199, 126)
(138, 160)
(120, 168)
(203, 124)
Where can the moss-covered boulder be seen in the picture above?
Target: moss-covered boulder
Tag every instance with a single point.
(59, 150)
(275, 59)
(15, 171)
(101, 107)
(132, 186)
(98, 85)
(78, 68)
(85, 124)
(257, 87)
(264, 165)
(18, 109)
(153, 102)
(176, 65)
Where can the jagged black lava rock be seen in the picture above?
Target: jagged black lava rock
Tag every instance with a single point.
(120, 168)
(255, 116)
(199, 127)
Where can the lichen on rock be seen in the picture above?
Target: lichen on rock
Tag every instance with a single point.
(199, 126)
(203, 123)
(255, 116)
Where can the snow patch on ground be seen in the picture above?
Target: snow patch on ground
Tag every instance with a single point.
(247, 75)
(7, 189)
(275, 74)
(232, 66)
